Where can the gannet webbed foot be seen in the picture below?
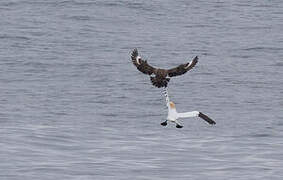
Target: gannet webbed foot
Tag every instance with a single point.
(178, 126)
(164, 123)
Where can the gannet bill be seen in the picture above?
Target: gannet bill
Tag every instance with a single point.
(162, 76)
(173, 115)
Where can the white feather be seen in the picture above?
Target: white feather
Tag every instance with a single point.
(138, 59)
(188, 114)
(189, 65)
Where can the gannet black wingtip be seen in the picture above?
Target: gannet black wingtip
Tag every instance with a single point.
(206, 118)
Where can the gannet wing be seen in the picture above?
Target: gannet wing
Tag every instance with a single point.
(183, 68)
(141, 65)
(188, 114)
(196, 114)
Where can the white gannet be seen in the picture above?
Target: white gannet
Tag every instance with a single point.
(173, 115)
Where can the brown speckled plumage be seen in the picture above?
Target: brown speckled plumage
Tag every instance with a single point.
(162, 76)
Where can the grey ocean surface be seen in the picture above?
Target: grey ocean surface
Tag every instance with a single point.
(72, 105)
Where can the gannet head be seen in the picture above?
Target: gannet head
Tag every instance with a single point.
(172, 105)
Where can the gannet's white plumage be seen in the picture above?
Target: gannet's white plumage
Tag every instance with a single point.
(173, 115)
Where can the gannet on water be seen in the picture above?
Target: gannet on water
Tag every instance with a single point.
(173, 115)
(162, 76)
